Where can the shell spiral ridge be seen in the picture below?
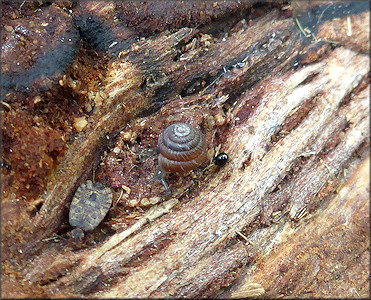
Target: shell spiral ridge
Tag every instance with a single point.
(182, 147)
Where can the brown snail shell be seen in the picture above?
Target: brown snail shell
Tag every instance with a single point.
(181, 147)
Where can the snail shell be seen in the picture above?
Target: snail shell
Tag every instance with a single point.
(182, 147)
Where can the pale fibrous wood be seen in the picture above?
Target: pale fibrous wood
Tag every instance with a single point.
(295, 187)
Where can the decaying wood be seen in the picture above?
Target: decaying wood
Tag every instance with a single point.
(342, 234)
(193, 235)
(123, 83)
(286, 216)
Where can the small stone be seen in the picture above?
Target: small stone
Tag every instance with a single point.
(116, 150)
(88, 107)
(219, 120)
(145, 202)
(133, 202)
(154, 200)
(126, 135)
(80, 123)
(37, 99)
(98, 100)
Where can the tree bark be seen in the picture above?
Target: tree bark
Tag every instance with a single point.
(287, 216)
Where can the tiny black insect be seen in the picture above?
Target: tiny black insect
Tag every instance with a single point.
(221, 159)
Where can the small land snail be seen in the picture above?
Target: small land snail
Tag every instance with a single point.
(181, 147)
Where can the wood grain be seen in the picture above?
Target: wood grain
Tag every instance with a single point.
(287, 216)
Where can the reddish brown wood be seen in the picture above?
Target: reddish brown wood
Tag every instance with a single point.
(287, 216)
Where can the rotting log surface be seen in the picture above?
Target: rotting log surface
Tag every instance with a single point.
(287, 216)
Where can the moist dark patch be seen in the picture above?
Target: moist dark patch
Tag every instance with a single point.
(99, 35)
(45, 70)
(36, 56)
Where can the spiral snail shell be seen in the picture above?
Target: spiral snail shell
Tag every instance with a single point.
(181, 147)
